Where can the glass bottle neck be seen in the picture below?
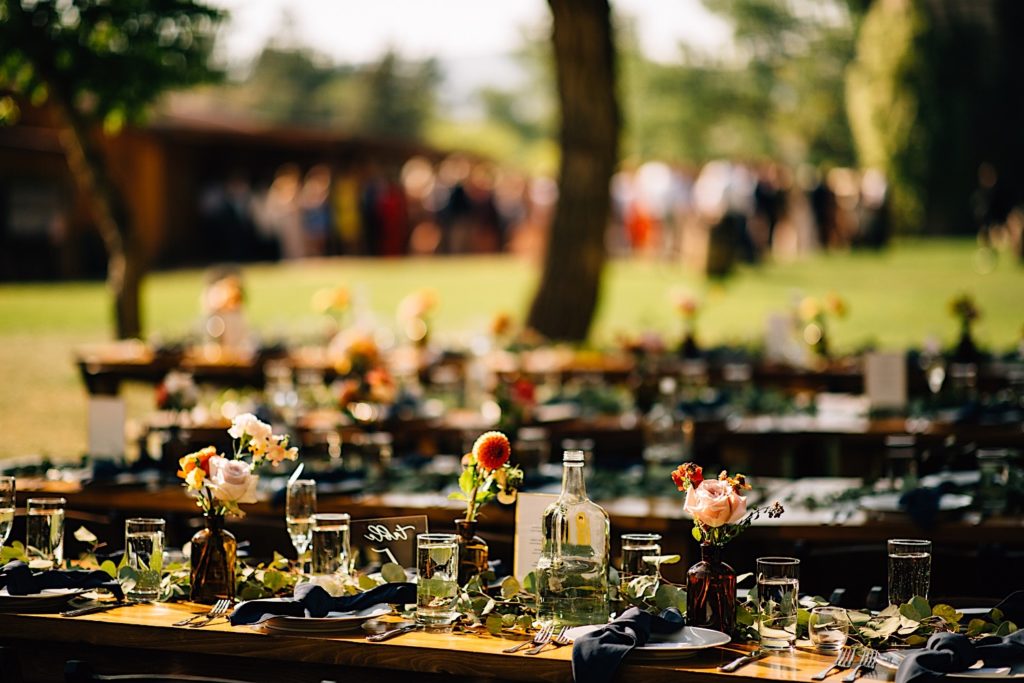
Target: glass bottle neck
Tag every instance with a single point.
(573, 485)
(711, 553)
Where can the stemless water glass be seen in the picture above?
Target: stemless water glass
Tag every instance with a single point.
(330, 553)
(44, 530)
(828, 627)
(144, 554)
(778, 583)
(299, 510)
(6, 508)
(437, 588)
(910, 569)
(635, 547)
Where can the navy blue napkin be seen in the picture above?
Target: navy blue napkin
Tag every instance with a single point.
(318, 602)
(952, 652)
(597, 655)
(20, 580)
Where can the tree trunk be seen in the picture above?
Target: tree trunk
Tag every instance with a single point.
(564, 304)
(125, 266)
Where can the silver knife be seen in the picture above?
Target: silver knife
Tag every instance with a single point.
(744, 660)
(92, 609)
(388, 635)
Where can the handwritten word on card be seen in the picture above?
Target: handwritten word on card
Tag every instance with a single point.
(387, 539)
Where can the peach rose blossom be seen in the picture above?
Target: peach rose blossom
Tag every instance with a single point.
(715, 503)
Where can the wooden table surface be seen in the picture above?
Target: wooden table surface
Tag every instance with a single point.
(141, 639)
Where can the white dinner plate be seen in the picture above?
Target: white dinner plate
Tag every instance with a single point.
(685, 642)
(334, 622)
(889, 662)
(48, 600)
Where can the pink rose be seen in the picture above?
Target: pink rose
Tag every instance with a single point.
(231, 480)
(715, 503)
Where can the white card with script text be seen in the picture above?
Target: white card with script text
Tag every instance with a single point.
(528, 540)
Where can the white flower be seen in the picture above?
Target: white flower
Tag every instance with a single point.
(249, 424)
(231, 480)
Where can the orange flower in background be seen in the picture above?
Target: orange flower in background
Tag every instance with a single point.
(492, 450)
(738, 482)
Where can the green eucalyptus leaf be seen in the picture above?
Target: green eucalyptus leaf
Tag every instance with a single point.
(510, 587)
(695, 532)
(109, 568)
(975, 627)
(530, 583)
(393, 573)
(366, 583)
(916, 609)
(508, 620)
(493, 624)
(996, 615)
(85, 536)
(947, 613)
(916, 640)
(525, 621)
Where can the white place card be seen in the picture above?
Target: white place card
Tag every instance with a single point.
(885, 379)
(528, 540)
(106, 426)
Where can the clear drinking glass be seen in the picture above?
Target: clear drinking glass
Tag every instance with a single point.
(778, 584)
(635, 547)
(437, 587)
(7, 490)
(828, 627)
(44, 530)
(299, 510)
(910, 569)
(330, 543)
(144, 553)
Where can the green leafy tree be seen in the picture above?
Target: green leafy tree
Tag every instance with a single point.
(96, 61)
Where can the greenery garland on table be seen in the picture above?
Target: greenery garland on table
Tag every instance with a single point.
(510, 608)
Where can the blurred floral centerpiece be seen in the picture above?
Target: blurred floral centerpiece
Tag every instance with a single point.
(487, 473)
(966, 312)
(813, 316)
(222, 302)
(414, 315)
(719, 515)
(365, 385)
(177, 392)
(688, 307)
(220, 485)
(333, 303)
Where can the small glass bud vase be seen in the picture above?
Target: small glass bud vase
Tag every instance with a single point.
(472, 550)
(213, 562)
(711, 591)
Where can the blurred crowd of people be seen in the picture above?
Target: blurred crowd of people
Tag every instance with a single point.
(733, 210)
(456, 206)
(712, 216)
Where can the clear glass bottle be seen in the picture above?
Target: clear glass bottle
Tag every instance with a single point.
(572, 573)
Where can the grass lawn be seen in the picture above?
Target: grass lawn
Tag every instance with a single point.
(897, 298)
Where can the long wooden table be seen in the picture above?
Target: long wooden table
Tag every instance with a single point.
(141, 639)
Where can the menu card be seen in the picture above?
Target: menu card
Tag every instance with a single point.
(885, 379)
(386, 539)
(528, 540)
(106, 426)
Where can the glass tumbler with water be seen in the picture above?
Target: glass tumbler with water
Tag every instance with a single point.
(636, 547)
(300, 506)
(330, 553)
(437, 587)
(778, 585)
(44, 530)
(144, 554)
(910, 569)
(828, 627)
(6, 508)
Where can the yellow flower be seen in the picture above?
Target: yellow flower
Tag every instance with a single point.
(810, 308)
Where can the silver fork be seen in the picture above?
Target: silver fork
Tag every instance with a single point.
(556, 639)
(219, 609)
(844, 660)
(542, 636)
(866, 664)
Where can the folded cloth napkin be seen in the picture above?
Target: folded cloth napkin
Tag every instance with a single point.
(597, 655)
(20, 580)
(952, 652)
(312, 600)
